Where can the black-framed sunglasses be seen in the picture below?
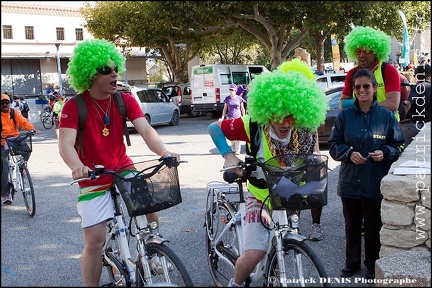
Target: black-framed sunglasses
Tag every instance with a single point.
(5, 102)
(106, 70)
(365, 86)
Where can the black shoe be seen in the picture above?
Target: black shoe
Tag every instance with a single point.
(348, 272)
(370, 274)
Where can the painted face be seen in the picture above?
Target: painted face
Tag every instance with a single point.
(283, 127)
(365, 58)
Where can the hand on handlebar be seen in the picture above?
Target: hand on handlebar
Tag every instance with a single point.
(81, 172)
(232, 161)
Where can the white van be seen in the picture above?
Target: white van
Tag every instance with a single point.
(210, 84)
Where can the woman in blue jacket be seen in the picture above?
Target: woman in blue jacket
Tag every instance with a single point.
(367, 139)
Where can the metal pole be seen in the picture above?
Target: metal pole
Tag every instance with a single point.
(59, 69)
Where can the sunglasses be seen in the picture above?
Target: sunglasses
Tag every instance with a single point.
(365, 86)
(360, 51)
(289, 120)
(5, 102)
(106, 70)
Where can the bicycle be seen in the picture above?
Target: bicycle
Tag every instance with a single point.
(20, 148)
(47, 118)
(145, 187)
(300, 183)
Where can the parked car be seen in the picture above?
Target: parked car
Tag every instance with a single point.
(331, 79)
(157, 107)
(181, 94)
(333, 95)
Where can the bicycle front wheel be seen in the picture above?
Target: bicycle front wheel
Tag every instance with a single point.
(47, 122)
(165, 266)
(26, 187)
(303, 267)
(217, 216)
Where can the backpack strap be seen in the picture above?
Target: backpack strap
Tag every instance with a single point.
(82, 116)
(121, 107)
(252, 148)
(12, 115)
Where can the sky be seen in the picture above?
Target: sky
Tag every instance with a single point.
(57, 3)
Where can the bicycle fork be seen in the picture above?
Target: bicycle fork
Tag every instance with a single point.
(118, 232)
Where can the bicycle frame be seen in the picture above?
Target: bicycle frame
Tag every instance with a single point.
(278, 232)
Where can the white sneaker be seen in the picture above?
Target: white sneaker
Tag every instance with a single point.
(232, 284)
(317, 232)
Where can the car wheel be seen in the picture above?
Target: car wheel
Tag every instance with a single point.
(175, 119)
(193, 113)
(147, 117)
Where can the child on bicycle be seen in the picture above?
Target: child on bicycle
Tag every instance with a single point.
(288, 106)
(96, 78)
(10, 129)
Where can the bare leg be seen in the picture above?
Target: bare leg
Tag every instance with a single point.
(246, 264)
(91, 261)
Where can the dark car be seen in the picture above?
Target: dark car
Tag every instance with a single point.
(333, 95)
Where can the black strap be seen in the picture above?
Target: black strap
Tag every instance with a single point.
(118, 100)
(12, 115)
(82, 116)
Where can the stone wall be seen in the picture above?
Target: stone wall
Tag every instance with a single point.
(406, 217)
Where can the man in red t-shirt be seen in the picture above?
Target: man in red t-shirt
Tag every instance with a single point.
(96, 79)
(370, 47)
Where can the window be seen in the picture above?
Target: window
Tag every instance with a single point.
(60, 33)
(7, 32)
(79, 34)
(29, 32)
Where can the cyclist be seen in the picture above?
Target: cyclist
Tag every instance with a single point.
(9, 129)
(288, 106)
(96, 79)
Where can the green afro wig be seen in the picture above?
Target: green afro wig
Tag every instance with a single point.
(299, 66)
(370, 39)
(87, 57)
(282, 92)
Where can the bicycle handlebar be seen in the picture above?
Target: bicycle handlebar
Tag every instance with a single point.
(167, 160)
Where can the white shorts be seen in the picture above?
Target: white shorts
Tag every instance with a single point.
(96, 210)
(256, 236)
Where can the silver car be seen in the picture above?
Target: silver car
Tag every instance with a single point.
(157, 107)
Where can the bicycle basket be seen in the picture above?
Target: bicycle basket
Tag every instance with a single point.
(20, 145)
(297, 181)
(143, 194)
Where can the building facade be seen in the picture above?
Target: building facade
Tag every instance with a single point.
(37, 42)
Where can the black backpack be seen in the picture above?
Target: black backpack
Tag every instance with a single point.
(82, 116)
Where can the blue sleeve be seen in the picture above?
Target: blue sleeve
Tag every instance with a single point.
(219, 139)
(347, 103)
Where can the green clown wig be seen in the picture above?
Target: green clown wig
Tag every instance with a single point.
(369, 39)
(87, 57)
(289, 90)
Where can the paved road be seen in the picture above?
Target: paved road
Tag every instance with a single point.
(46, 250)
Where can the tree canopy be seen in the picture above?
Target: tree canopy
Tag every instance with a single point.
(179, 30)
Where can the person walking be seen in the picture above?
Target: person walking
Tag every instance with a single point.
(367, 139)
(57, 108)
(9, 128)
(369, 47)
(24, 107)
(233, 108)
(286, 106)
(95, 78)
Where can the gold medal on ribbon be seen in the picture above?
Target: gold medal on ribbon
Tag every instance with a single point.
(105, 131)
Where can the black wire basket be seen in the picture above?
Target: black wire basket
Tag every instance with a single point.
(20, 145)
(297, 181)
(153, 186)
